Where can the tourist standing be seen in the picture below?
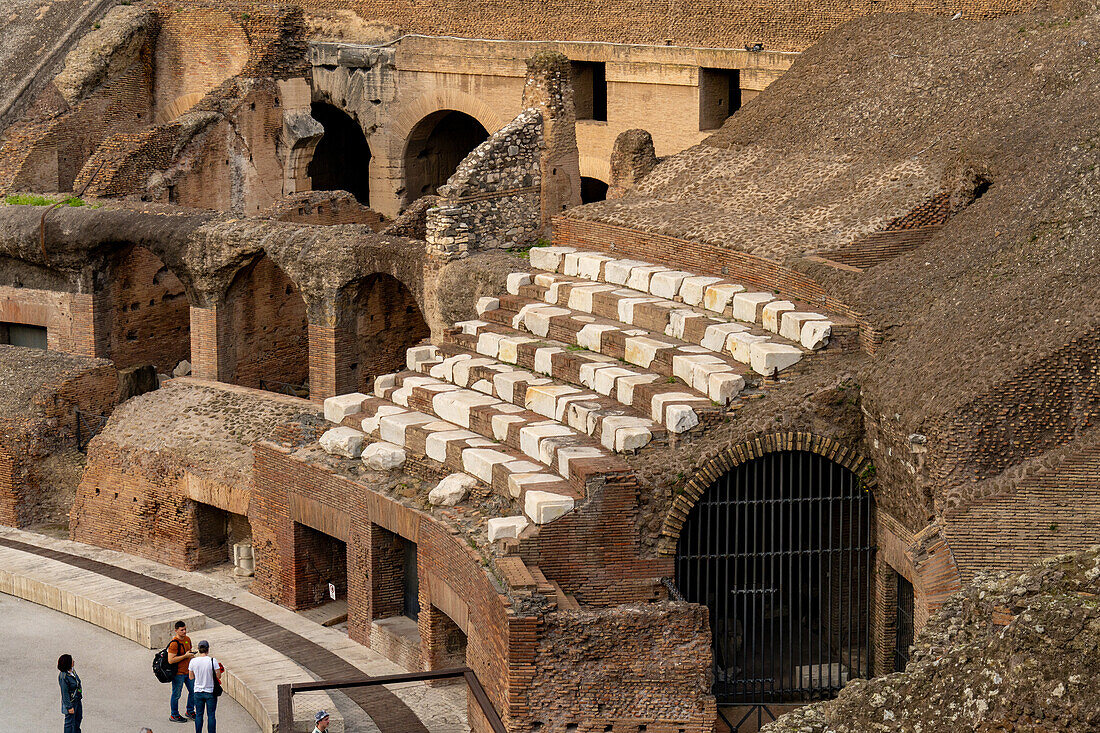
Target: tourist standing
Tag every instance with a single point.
(72, 695)
(205, 671)
(320, 721)
(180, 654)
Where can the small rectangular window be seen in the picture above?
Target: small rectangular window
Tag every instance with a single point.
(18, 334)
(719, 96)
(590, 90)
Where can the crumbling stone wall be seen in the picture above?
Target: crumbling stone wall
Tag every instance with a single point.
(325, 208)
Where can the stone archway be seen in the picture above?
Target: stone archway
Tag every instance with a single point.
(435, 147)
(341, 161)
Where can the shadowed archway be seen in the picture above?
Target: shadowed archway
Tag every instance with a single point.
(341, 161)
(436, 145)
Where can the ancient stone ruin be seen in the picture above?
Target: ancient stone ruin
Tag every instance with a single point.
(722, 367)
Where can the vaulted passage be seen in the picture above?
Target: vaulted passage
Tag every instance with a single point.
(780, 550)
(592, 189)
(384, 321)
(435, 147)
(341, 161)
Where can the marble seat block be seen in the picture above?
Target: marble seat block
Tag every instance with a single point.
(451, 490)
(508, 348)
(543, 399)
(548, 258)
(618, 271)
(544, 359)
(435, 445)
(588, 371)
(391, 428)
(520, 482)
(748, 306)
(723, 387)
(488, 343)
(718, 296)
(343, 441)
(470, 328)
(640, 276)
(740, 345)
(517, 280)
(661, 400)
(501, 424)
(701, 374)
(580, 298)
(667, 284)
(579, 412)
(565, 456)
(642, 350)
(506, 527)
(460, 375)
(680, 418)
(769, 359)
(715, 337)
(445, 369)
(484, 305)
(505, 384)
(613, 424)
(590, 264)
(790, 326)
(604, 381)
(626, 307)
(537, 320)
(417, 354)
(480, 461)
(691, 289)
(370, 424)
(625, 386)
(543, 507)
(484, 386)
(677, 322)
(591, 336)
(553, 293)
(383, 456)
(683, 365)
(455, 406)
(571, 261)
(341, 406)
(384, 382)
(772, 314)
(815, 334)
(530, 436)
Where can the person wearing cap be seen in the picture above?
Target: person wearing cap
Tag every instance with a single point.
(205, 671)
(320, 722)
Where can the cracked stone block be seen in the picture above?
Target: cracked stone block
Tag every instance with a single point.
(182, 369)
(747, 306)
(589, 265)
(661, 400)
(716, 297)
(604, 380)
(624, 391)
(417, 354)
(488, 344)
(341, 406)
(544, 507)
(565, 456)
(631, 439)
(615, 424)
(667, 284)
(383, 456)
(451, 490)
(392, 427)
(548, 258)
(640, 276)
(537, 320)
(343, 441)
(691, 289)
(508, 348)
(769, 359)
(715, 337)
(590, 337)
(501, 423)
(455, 407)
(580, 298)
(544, 359)
(532, 478)
(677, 322)
(722, 388)
(435, 446)
(626, 307)
(370, 424)
(790, 325)
(701, 373)
(683, 366)
(461, 373)
(740, 345)
(618, 271)
(506, 527)
(680, 418)
(642, 350)
(480, 461)
(815, 334)
(543, 399)
(517, 280)
(531, 437)
(484, 305)
(772, 314)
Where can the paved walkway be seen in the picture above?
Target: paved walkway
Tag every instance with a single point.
(322, 652)
(120, 693)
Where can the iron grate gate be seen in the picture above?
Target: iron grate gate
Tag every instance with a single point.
(904, 623)
(780, 550)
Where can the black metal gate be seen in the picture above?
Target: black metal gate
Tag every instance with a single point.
(903, 639)
(780, 550)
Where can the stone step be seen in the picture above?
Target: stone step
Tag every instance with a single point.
(665, 400)
(796, 322)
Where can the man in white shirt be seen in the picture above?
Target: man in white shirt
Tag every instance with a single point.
(205, 670)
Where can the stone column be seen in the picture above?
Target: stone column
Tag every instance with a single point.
(550, 90)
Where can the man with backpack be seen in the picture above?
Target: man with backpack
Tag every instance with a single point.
(180, 654)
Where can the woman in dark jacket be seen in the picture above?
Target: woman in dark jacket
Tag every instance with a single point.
(71, 694)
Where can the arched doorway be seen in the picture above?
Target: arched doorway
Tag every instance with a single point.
(267, 317)
(386, 320)
(435, 147)
(592, 189)
(780, 551)
(341, 161)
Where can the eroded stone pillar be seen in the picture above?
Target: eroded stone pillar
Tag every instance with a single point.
(549, 89)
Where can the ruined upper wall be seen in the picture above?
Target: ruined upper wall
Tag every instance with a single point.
(777, 24)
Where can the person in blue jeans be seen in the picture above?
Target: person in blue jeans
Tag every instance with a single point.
(204, 670)
(72, 696)
(180, 654)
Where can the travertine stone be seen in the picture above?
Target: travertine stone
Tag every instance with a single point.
(747, 306)
(790, 325)
(506, 527)
(543, 507)
(383, 456)
(691, 289)
(451, 490)
(815, 334)
(773, 313)
(341, 406)
(343, 441)
(517, 280)
(667, 284)
(548, 258)
(769, 359)
(417, 354)
(484, 305)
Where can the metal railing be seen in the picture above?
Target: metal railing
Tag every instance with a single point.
(294, 390)
(87, 427)
(287, 692)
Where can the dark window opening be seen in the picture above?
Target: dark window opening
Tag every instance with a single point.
(904, 623)
(435, 148)
(592, 189)
(590, 89)
(19, 334)
(411, 606)
(341, 161)
(719, 96)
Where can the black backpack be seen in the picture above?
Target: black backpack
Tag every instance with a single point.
(164, 670)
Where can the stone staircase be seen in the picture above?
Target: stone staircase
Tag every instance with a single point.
(585, 357)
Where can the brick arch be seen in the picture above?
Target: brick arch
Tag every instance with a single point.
(744, 452)
(440, 100)
(595, 167)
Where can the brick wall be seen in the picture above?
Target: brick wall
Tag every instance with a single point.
(148, 318)
(70, 319)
